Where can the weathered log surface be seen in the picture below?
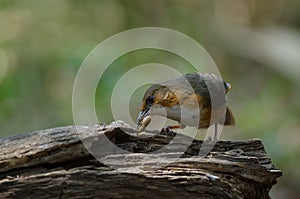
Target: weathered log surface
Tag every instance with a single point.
(54, 163)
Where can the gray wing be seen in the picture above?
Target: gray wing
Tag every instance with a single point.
(209, 86)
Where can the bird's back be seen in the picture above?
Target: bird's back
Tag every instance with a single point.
(208, 86)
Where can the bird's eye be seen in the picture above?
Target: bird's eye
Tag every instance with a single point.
(150, 100)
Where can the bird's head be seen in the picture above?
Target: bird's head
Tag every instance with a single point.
(156, 98)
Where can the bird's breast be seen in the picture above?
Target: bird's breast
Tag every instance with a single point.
(184, 115)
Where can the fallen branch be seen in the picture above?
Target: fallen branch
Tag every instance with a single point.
(54, 163)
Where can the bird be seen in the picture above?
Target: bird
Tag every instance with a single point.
(194, 99)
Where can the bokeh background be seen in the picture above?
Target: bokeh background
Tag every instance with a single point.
(255, 43)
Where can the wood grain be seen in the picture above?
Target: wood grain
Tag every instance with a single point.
(54, 163)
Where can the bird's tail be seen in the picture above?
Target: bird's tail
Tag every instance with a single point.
(229, 119)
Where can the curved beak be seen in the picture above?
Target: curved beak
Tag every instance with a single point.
(141, 116)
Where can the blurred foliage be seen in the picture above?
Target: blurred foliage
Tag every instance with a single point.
(254, 43)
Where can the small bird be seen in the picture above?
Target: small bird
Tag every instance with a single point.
(194, 99)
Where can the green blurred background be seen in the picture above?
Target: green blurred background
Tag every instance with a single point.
(255, 43)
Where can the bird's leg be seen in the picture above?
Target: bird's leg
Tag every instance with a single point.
(216, 133)
(212, 140)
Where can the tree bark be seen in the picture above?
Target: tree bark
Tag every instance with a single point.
(55, 163)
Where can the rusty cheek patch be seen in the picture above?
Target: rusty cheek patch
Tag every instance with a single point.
(166, 99)
(169, 99)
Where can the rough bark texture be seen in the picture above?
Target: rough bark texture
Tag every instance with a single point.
(54, 163)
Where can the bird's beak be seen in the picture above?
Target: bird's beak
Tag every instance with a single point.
(141, 116)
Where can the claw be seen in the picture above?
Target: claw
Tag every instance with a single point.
(167, 131)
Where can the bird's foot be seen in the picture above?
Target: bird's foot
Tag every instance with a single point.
(167, 131)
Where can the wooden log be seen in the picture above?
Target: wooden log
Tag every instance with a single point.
(54, 163)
